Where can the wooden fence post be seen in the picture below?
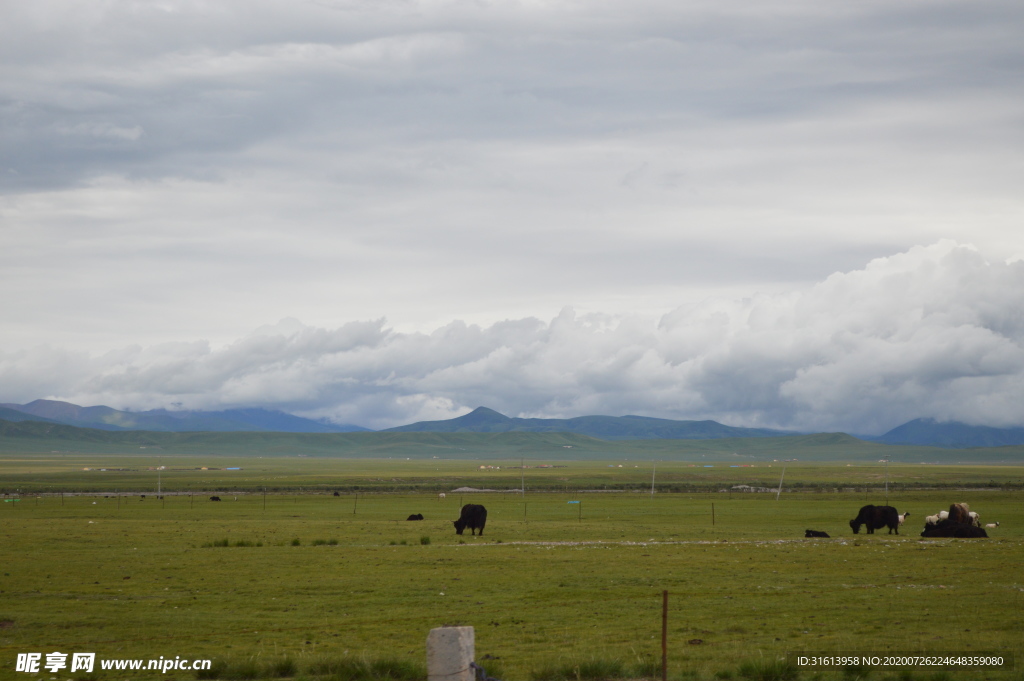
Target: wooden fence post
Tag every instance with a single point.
(664, 635)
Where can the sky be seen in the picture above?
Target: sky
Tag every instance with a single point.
(785, 213)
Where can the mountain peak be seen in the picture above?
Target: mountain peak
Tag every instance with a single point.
(484, 420)
(482, 415)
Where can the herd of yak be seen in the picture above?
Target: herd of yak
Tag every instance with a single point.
(959, 521)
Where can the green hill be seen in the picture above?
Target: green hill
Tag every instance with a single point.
(14, 415)
(484, 420)
(44, 438)
(951, 434)
(106, 418)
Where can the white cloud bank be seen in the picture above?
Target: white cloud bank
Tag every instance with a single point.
(934, 331)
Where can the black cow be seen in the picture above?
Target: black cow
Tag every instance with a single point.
(876, 517)
(947, 528)
(815, 533)
(474, 516)
(214, 498)
(415, 516)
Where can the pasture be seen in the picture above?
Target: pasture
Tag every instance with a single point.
(550, 585)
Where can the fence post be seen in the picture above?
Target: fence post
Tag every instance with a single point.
(664, 635)
(450, 651)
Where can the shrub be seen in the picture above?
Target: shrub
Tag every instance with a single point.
(283, 668)
(601, 669)
(424, 540)
(590, 670)
(401, 670)
(243, 671)
(494, 670)
(769, 670)
(348, 669)
(647, 668)
(296, 542)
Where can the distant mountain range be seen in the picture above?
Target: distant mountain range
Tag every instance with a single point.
(484, 420)
(950, 434)
(162, 420)
(922, 432)
(31, 436)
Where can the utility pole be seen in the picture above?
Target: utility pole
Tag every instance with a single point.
(886, 479)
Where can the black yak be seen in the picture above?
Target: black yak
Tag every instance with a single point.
(214, 498)
(474, 516)
(876, 517)
(415, 516)
(815, 533)
(945, 528)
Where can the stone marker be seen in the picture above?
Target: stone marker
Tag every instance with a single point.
(449, 654)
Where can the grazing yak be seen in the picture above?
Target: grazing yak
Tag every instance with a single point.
(958, 513)
(214, 498)
(815, 533)
(415, 516)
(473, 516)
(876, 517)
(946, 528)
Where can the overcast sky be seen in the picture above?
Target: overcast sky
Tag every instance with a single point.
(783, 213)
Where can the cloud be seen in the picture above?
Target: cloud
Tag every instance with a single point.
(187, 170)
(934, 331)
(482, 161)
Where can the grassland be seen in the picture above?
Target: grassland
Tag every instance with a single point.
(143, 473)
(551, 584)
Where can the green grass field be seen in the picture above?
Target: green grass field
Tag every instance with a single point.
(550, 588)
(52, 473)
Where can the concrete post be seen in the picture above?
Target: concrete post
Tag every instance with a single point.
(450, 650)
